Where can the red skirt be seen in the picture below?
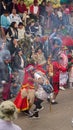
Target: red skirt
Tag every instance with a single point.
(21, 103)
(56, 88)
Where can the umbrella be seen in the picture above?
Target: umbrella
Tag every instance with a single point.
(67, 41)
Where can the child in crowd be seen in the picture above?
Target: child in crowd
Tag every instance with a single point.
(21, 31)
(25, 17)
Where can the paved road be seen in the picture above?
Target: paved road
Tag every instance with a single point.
(59, 118)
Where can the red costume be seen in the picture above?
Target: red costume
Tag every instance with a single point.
(23, 103)
(56, 71)
(22, 8)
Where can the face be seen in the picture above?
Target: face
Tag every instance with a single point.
(14, 11)
(7, 61)
(21, 2)
(15, 25)
(39, 51)
(21, 26)
(6, 14)
(36, 4)
(14, 1)
(20, 53)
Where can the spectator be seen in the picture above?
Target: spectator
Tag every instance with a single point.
(14, 17)
(3, 7)
(13, 46)
(34, 10)
(5, 23)
(22, 8)
(19, 64)
(7, 79)
(8, 113)
(21, 31)
(55, 19)
(15, 84)
(66, 17)
(33, 28)
(41, 60)
(12, 31)
(49, 10)
(13, 5)
(25, 18)
(19, 60)
(42, 13)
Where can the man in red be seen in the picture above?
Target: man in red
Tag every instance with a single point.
(56, 72)
(22, 8)
(34, 10)
(25, 98)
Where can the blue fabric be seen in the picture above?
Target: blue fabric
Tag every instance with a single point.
(5, 22)
(48, 88)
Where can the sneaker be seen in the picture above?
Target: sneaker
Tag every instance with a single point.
(28, 113)
(35, 117)
(54, 103)
(39, 109)
(62, 88)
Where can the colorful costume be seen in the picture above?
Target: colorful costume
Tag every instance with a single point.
(25, 97)
(56, 73)
(63, 75)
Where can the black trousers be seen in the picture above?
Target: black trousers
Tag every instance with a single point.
(38, 102)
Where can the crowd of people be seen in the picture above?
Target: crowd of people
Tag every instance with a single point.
(36, 53)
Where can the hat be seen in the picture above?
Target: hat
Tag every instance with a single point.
(67, 11)
(8, 110)
(64, 47)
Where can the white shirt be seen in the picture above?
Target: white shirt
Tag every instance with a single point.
(22, 62)
(35, 9)
(21, 33)
(37, 76)
(7, 125)
(15, 18)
